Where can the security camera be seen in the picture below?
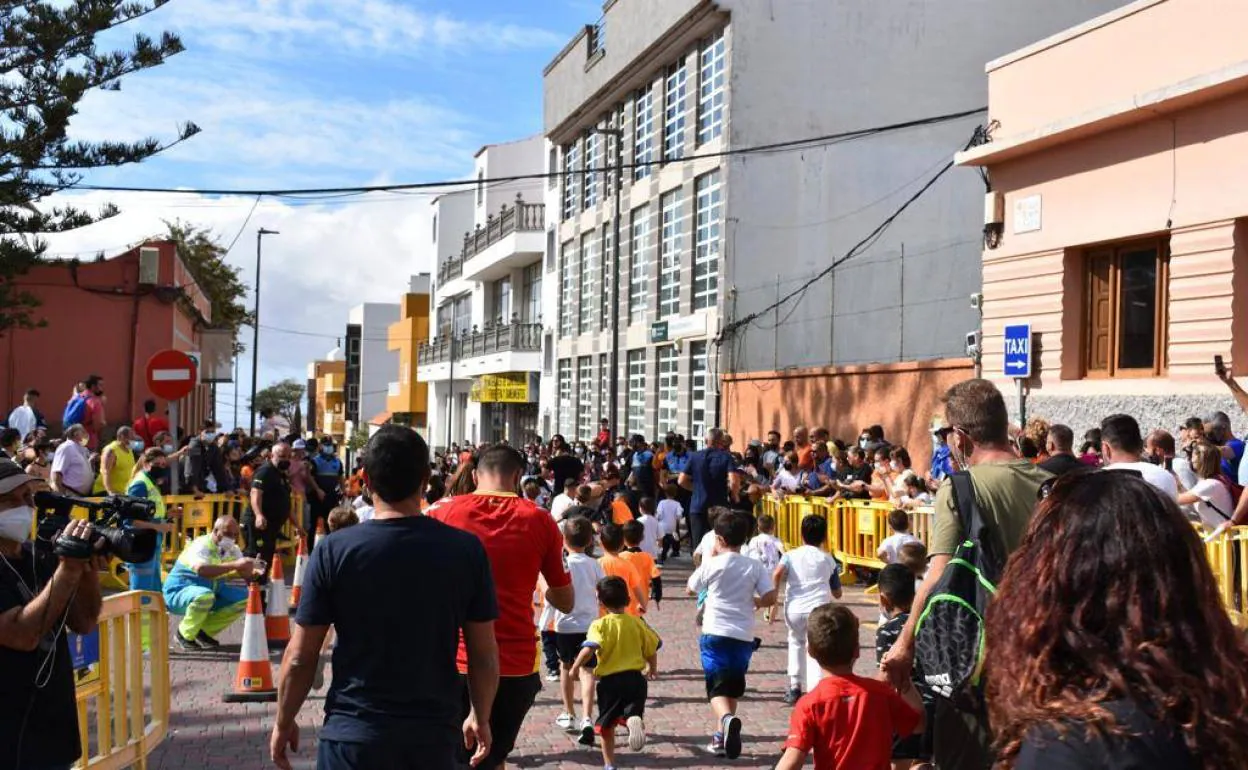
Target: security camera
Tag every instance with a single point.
(977, 301)
(972, 345)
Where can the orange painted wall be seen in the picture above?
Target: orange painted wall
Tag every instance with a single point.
(95, 324)
(902, 398)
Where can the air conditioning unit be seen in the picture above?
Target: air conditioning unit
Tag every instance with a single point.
(149, 266)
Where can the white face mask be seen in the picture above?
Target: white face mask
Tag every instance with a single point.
(226, 543)
(896, 466)
(15, 523)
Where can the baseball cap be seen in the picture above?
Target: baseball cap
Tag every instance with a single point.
(12, 476)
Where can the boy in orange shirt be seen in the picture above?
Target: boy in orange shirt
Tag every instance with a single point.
(634, 534)
(611, 536)
(848, 721)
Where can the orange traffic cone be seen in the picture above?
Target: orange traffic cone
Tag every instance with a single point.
(320, 532)
(254, 681)
(301, 566)
(277, 610)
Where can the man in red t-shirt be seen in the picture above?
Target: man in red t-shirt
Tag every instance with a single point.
(150, 424)
(521, 541)
(848, 721)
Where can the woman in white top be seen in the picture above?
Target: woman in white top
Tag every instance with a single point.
(812, 579)
(1209, 499)
(787, 481)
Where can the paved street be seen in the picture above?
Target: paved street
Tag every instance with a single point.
(206, 733)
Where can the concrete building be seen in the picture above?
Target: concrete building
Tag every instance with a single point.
(108, 318)
(483, 361)
(407, 399)
(709, 239)
(327, 405)
(1123, 239)
(371, 365)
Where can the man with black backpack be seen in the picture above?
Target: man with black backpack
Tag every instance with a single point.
(982, 528)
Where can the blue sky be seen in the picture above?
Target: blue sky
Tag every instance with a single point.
(306, 93)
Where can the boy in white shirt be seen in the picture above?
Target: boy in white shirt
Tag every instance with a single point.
(669, 514)
(571, 628)
(899, 523)
(766, 549)
(811, 578)
(653, 530)
(563, 501)
(735, 586)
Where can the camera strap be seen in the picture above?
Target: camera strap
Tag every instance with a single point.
(27, 590)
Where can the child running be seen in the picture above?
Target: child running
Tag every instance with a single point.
(848, 721)
(896, 586)
(812, 578)
(611, 537)
(766, 548)
(735, 586)
(653, 530)
(624, 646)
(571, 628)
(635, 554)
(669, 514)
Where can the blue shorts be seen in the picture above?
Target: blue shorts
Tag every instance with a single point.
(724, 664)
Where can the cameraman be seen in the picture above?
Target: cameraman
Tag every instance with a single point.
(40, 596)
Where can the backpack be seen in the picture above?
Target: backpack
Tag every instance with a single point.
(75, 411)
(949, 635)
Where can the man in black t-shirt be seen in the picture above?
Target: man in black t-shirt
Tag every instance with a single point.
(564, 465)
(41, 597)
(855, 477)
(395, 697)
(270, 505)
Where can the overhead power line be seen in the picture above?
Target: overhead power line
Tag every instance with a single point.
(792, 145)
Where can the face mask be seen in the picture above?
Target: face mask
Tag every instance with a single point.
(84, 441)
(226, 544)
(895, 466)
(136, 445)
(283, 465)
(328, 451)
(862, 442)
(209, 435)
(955, 452)
(168, 449)
(15, 523)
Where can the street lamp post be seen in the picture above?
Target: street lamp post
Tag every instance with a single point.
(614, 396)
(255, 327)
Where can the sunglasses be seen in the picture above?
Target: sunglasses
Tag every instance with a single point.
(1076, 476)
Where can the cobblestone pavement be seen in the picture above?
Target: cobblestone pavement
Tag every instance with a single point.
(206, 733)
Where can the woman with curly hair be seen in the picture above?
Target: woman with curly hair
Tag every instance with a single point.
(1107, 645)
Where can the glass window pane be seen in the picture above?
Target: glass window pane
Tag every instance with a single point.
(1137, 309)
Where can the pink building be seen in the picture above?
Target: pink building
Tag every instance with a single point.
(1119, 154)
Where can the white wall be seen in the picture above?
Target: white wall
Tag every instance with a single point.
(548, 389)
(378, 366)
(496, 161)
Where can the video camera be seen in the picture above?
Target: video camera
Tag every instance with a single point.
(109, 534)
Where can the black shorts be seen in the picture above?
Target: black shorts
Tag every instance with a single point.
(569, 646)
(725, 684)
(385, 755)
(919, 745)
(511, 705)
(620, 696)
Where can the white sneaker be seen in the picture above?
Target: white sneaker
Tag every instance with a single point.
(552, 676)
(565, 721)
(636, 733)
(587, 733)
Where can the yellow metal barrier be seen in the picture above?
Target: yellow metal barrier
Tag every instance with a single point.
(1227, 557)
(198, 515)
(123, 709)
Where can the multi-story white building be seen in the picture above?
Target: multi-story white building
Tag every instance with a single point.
(716, 227)
(488, 299)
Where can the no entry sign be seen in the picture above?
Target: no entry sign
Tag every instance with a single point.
(171, 375)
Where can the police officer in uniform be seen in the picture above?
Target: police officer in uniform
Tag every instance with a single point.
(328, 474)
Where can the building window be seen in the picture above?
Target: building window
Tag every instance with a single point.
(463, 313)
(1125, 312)
(676, 87)
(708, 224)
(608, 253)
(711, 88)
(637, 391)
(585, 422)
(643, 132)
(435, 228)
(552, 257)
(593, 168)
(571, 179)
(697, 391)
(614, 146)
(548, 355)
(552, 166)
(667, 391)
(565, 398)
(500, 300)
(641, 255)
(531, 310)
(604, 386)
(671, 246)
(567, 290)
(590, 273)
(597, 38)
(480, 186)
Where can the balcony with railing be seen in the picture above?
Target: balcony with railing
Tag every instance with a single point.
(451, 269)
(496, 338)
(513, 238)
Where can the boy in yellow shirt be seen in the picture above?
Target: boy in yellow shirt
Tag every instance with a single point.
(624, 646)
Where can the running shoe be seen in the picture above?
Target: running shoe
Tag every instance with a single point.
(716, 746)
(586, 737)
(636, 733)
(732, 736)
(565, 721)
